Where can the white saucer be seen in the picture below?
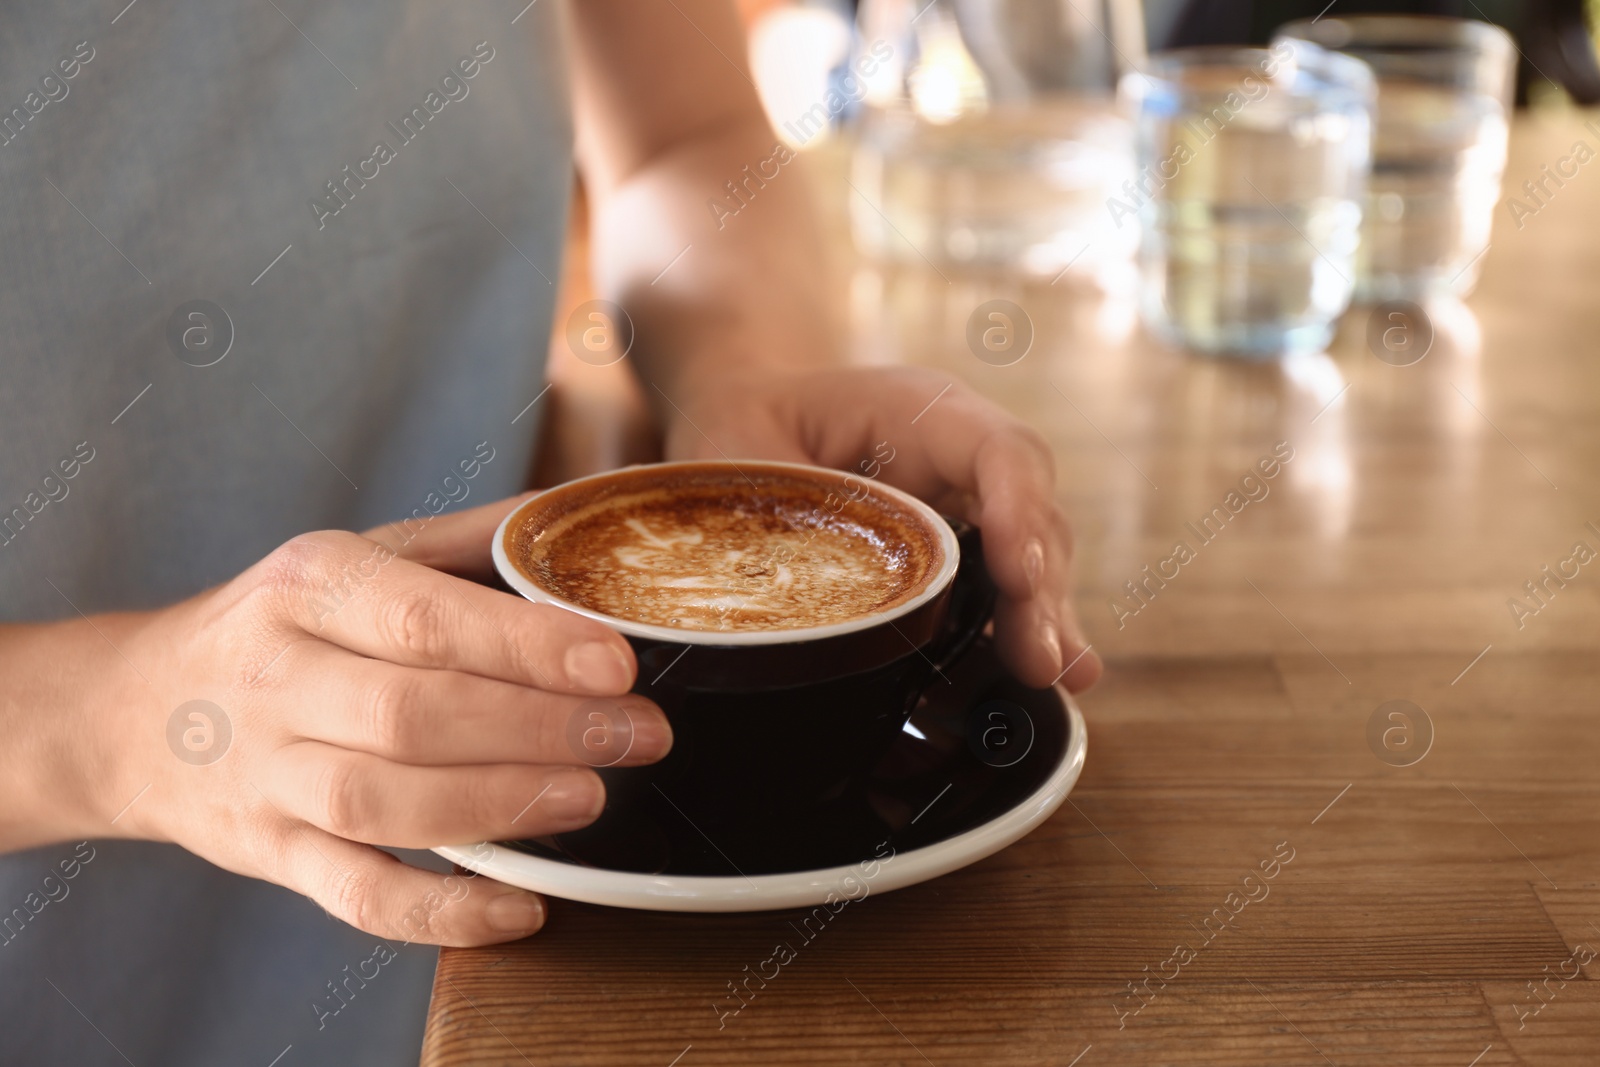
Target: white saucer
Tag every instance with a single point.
(804, 888)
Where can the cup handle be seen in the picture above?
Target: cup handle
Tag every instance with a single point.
(972, 599)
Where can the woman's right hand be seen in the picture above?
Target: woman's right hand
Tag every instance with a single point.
(372, 700)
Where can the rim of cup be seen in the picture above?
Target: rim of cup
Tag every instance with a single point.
(1377, 31)
(1171, 71)
(734, 638)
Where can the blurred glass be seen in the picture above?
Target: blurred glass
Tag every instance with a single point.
(1252, 167)
(989, 134)
(1439, 149)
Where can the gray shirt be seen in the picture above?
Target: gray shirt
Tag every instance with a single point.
(270, 266)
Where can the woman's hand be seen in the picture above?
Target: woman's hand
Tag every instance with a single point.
(372, 700)
(737, 320)
(950, 446)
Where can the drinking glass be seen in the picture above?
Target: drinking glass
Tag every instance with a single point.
(1251, 168)
(1439, 147)
(989, 134)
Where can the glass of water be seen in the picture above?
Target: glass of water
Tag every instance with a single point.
(989, 135)
(1252, 166)
(1439, 147)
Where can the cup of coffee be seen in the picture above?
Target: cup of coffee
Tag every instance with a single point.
(786, 618)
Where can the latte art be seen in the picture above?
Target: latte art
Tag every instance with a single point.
(716, 553)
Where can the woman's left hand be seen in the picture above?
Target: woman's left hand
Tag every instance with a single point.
(924, 433)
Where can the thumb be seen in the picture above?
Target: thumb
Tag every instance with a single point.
(456, 542)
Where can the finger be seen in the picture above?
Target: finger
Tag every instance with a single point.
(1081, 664)
(959, 444)
(456, 542)
(1029, 639)
(355, 593)
(1057, 618)
(976, 448)
(437, 717)
(365, 798)
(373, 891)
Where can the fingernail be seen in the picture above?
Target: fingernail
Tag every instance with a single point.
(573, 799)
(652, 737)
(1033, 563)
(598, 667)
(515, 913)
(1051, 642)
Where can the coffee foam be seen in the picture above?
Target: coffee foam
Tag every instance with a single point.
(711, 548)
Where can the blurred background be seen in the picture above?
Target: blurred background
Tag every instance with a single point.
(1044, 147)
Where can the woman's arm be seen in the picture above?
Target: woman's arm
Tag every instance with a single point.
(735, 329)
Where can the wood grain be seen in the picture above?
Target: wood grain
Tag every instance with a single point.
(1421, 901)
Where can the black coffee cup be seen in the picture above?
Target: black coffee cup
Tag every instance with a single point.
(770, 722)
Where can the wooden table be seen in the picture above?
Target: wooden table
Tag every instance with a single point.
(1421, 900)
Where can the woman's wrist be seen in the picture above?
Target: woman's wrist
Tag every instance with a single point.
(67, 694)
(708, 294)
